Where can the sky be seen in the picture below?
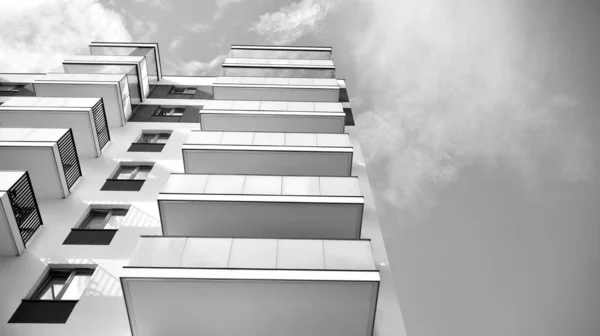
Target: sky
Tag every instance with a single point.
(479, 121)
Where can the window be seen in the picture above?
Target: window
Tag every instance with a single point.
(63, 284)
(100, 219)
(150, 141)
(53, 300)
(169, 111)
(10, 88)
(128, 177)
(132, 172)
(154, 138)
(183, 90)
(98, 227)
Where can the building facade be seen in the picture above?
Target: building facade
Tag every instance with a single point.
(134, 203)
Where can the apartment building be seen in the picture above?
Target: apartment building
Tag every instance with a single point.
(136, 203)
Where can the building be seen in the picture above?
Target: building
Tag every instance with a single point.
(228, 205)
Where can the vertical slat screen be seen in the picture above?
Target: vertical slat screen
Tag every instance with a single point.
(69, 158)
(25, 207)
(101, 123)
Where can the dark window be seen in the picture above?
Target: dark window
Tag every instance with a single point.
(183, 90)
(169, 112)
(55, 298)
(8, 89)
(129, 177)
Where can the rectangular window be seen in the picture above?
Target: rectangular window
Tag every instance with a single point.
(132, 172)
(154, 138)
(169, 112)
(150, 141)
(128, 177)
(10, 88)
(183, 90)
(102, 219)
(63, 284)
(53, 300)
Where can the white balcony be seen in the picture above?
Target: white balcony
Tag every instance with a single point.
(262, 287)
(19, 214)
(148, 50)
(277, 89)
(48, 154)
(199, 205)
(135, 67)
(113, 89)
(300, 154)
(85, 116)
(272, 116)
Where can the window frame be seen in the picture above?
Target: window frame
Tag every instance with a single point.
(110, 212)
(184, 88)
(157, 134)
(54, 272)
(133, 174)
(176, 111)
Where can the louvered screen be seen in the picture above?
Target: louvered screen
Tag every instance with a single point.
(25, 208)
(101, 123)
(69, 159)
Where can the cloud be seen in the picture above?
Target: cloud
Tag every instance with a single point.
(159, 4)
(175, 43)
(292, 21)
(194, 68)
(445, 85)
(199, 27)
(143, 29)
(222, 5)
(38, 34)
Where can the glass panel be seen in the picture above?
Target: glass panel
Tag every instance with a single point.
(291, 54)
(117, 217)
(125, 172)
(143, 173)
(163, 138)
(77, 286)
(52, 286)
(170, 111)
(147, 138)
(95, 220)
(276, 72)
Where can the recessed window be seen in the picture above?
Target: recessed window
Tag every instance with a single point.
(98, 227)
(183, 90)
(128, 177)
(154, 138)
(169, 112)
(132, 172)
(10, 88)
(63, 284)
(100, 219)
(53, 300)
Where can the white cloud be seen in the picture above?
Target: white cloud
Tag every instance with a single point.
(175, 43)
(222, 5)
(194, 68)
(292, 21)
(143, 30)
(444, 86)
(199, 27)
(38, 34)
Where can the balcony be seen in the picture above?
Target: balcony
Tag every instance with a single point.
(253, 206)
(19, 213)
(134, 67)
(48, 154)
(113, 89)
(85, 116)
(275, 88)
(263, 287)
(290, 52)
(300, 154)
(148, 50)
(272, 116)
(287, 68)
